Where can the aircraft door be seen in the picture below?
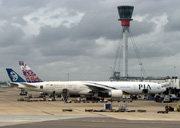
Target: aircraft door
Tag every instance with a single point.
(46, 87)
(41, 87)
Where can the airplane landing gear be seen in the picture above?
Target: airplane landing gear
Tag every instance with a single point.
(65, 95)
(23, 92)
(54, 96)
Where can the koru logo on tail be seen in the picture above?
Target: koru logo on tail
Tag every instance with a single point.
(14, 76)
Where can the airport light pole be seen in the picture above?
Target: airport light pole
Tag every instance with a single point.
(111, 70)
(68, 76)
(174, 70)
(141, 71)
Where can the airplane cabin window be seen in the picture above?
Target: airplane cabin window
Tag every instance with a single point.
(41, 87)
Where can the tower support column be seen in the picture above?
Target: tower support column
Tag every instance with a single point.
(125, 50)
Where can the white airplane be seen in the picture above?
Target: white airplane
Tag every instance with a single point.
(114, 89)
(89, 88)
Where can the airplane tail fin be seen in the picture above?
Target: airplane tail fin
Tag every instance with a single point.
(28, 73)
(14, 77)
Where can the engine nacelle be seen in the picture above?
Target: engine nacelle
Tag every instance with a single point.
(116, 93)
(85, 92)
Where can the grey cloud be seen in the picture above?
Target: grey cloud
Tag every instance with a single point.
(79, 5)
(94, 25)
(7, 13)
(57, 41)
(23, 3)
(173, 21)
(10, 35)
(49, 34)
(59, 50)
(138, 28)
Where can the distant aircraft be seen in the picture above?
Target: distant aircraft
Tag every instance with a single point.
(90, 88)
(4, 86)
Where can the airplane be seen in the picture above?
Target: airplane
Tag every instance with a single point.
(114, 89)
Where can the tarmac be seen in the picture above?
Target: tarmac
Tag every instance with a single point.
(19, 113)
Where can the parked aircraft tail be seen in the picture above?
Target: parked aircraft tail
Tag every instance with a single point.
(14, 77)
(29, 75)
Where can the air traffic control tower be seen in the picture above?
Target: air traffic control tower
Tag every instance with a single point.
(125, 14)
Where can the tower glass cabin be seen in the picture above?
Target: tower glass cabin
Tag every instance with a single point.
(125, 12)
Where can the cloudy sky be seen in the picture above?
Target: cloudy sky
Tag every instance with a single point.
(80, 37)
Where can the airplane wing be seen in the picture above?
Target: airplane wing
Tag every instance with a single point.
(98, 87)
(102, 88)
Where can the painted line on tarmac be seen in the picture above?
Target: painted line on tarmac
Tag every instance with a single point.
(28, 107)
(122, 121)
(80, 110)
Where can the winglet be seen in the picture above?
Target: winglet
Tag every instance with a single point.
(29, 75)
(14, 77)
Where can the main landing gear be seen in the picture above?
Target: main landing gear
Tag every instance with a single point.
(23, 92)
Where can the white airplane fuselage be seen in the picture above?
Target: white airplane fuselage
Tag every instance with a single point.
(81, 88)
(95, 88)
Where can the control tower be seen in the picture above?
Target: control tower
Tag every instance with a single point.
(125, 14)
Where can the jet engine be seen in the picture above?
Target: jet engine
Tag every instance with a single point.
(85, 92)
(116, 93)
